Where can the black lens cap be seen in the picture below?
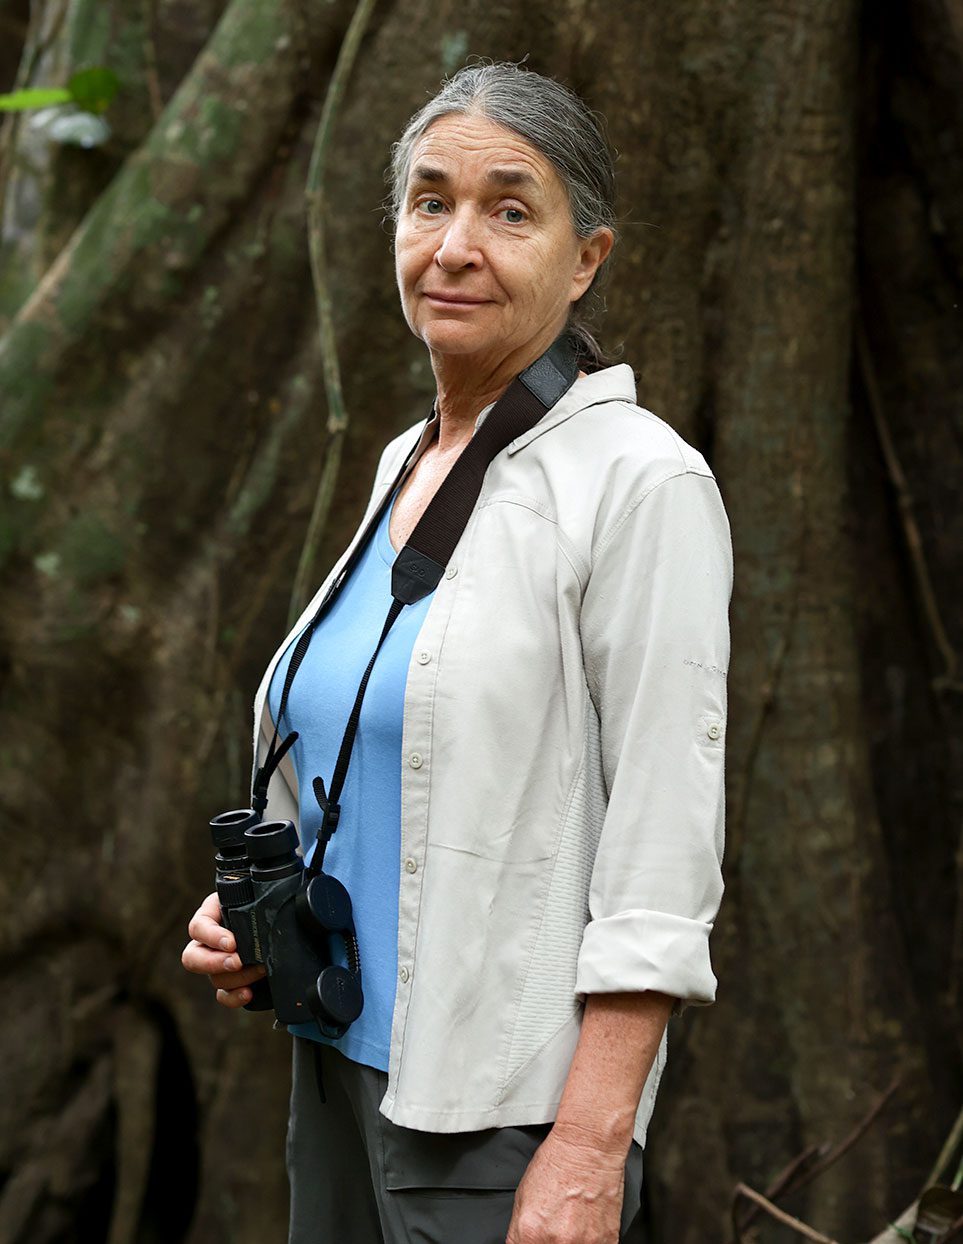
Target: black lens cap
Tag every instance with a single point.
(340, 997)
(329, 903)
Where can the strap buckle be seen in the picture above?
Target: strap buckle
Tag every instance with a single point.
(259, 793)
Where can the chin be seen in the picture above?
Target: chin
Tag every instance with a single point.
(451, 338)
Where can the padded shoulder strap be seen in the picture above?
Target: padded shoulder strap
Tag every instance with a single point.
(419, 566)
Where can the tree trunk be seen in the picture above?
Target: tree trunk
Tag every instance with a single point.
(787, 288)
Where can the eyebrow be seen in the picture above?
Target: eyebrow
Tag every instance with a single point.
(496, 177)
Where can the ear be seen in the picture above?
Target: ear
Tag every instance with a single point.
(592, 252)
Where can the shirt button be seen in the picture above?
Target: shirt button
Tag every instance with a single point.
(411, 865)
(713, 731)
(451, 572)
(424, 658)
(416, 760)
(404, 974)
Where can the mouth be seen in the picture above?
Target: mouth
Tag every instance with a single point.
(451, 300)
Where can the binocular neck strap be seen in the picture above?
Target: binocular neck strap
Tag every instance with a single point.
(419, 566)
(328, 800)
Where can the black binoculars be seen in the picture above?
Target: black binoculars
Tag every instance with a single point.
(288, 918)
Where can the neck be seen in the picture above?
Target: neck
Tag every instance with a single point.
(466, 384)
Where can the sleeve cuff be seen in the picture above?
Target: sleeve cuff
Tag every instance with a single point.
(638, 950)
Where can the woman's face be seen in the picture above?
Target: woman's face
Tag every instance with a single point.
(486, 259)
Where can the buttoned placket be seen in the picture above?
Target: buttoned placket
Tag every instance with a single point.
(423, 671)
(415, 779)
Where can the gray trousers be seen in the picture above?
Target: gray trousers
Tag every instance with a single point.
(358, 1178)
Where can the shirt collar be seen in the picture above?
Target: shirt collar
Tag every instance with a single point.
(481, 417)
(611, 384)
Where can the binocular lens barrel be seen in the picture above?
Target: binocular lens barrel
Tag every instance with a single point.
(272, 849)
(227, 832)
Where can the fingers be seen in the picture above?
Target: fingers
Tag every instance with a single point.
(206, 927)
(211, 953)
(199, 958)
(235, 980)
(224, 971)
(234, 988)
(233, 998)
(228, 969)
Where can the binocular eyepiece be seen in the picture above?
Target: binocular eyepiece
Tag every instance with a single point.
(289, 919)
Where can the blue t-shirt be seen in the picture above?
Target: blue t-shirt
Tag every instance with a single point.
(365, 851)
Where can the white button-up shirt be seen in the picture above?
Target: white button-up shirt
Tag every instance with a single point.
(562, 800)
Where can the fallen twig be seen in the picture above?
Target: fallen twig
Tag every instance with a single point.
(780, 1182)
(792, 1178)
(848, 1141)
(780, 1215)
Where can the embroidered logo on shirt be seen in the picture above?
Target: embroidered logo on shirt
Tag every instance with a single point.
(714, 668)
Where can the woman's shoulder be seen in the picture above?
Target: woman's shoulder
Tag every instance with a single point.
(609, 460)
(610, 456)
(603, 427)
(622, 431)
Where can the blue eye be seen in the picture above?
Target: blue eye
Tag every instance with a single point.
(518, 212)
(427, 203)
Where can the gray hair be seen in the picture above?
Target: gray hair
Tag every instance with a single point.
(557, 123)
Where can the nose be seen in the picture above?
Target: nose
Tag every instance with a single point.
(459, 246)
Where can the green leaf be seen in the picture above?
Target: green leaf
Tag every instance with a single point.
(93, 89)
(21, 101)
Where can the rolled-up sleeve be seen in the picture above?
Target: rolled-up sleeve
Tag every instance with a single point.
(655, 639)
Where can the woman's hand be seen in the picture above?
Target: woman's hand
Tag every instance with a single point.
(571, 1193)
(211, 953)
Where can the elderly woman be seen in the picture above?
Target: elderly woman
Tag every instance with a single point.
(531, 824)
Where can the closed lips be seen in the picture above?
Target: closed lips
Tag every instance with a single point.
(453, 298)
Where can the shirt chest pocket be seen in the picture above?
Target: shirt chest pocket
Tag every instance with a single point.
(505, 701)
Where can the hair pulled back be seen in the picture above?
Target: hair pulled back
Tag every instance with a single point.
(556, 122)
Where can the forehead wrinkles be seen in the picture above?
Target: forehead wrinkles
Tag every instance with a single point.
(440, 147)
